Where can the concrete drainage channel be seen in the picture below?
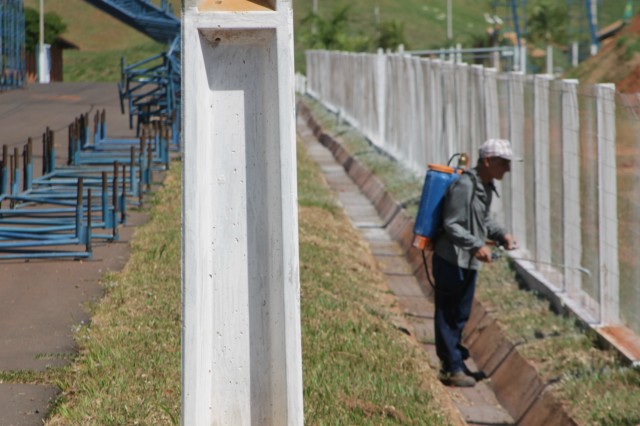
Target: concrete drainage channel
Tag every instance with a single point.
(513, 380)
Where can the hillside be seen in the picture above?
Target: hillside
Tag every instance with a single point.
(425, 21)
(102, 40)
(617, 62)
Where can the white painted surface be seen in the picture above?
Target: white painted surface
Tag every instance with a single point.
(242, 359)
(541, 170)
(516, 135)
(608, 205)
(572, 223)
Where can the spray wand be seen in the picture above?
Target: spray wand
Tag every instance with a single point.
(498, 254)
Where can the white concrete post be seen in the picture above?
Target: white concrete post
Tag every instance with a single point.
(572, 228)
(608, 205)
(516, 135)
(541, 169)
(495, 59)
(478, 111)
(381, 96)
(492, 108)
(242, 358)
(549, 60)
(523, 59)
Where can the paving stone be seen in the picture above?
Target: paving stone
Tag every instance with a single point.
(480, 406)
(403, 285)
(423, 329)
(394, 265)
(384, 248)
(416, 306)
(375, 235)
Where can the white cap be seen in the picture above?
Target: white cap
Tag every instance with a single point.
(496, 148)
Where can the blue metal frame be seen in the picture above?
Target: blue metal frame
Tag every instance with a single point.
(12, 45)
(159, 23)
(514, 15)
(51, 212)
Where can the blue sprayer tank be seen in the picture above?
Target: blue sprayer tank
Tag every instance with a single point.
(429, 217)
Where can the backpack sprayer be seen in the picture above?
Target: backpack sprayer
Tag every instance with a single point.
(429, 219)
(436, 182)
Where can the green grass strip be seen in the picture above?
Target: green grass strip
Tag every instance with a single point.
(358, 367)
(128, 369)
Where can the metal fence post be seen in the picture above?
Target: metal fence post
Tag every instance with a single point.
(608, 205)
(242, 358)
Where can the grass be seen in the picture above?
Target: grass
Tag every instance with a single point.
(98, 66)
(128, 367)
(358, 367)
(595, 386)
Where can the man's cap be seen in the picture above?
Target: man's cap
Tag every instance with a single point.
(496, 148)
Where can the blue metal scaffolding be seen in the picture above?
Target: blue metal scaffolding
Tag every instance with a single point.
(59, 213)
(12, 45)
(150, 89)
(513, 13)
(582, 21)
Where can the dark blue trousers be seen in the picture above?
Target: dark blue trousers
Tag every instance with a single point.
(455, 288)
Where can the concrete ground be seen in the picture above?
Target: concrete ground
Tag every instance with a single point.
(41, 301)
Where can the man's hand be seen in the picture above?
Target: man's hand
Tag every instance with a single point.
(483, 254)
(510, 242)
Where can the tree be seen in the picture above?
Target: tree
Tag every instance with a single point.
(391, 35)
(547, 22)
(53, 27)
(332, 33)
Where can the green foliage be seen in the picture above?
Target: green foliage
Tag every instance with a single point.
(333, 33)
(631, 47)
(53, 27)
(390, 35)
(547, 22)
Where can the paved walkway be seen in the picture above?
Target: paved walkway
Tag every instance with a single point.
(478, 405)
(42, 301)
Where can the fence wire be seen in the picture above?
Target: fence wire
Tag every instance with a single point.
(573, 199)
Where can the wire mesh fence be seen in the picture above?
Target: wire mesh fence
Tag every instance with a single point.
(572, 200)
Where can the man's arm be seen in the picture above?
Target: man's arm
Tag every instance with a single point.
(455, 215)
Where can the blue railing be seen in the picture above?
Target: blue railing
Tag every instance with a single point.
(12, 44)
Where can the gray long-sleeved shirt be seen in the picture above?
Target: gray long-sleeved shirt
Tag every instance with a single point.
(466, 227)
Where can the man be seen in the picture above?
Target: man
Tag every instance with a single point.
(460, 251)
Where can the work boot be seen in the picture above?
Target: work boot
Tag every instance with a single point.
(458, 380)
(477, 375)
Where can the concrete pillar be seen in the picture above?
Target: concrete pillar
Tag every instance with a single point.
(517, 137)
(242, 358)
(572, 223)
(541, 170)
(608, 205)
